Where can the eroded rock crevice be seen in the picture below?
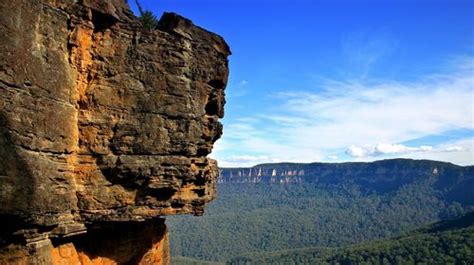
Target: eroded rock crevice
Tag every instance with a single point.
(102, 123)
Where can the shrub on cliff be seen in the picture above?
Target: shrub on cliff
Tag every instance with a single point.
(148, 20)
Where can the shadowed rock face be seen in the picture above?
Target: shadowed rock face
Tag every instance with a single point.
(102, 121)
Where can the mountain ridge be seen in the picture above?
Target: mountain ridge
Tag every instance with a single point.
(345, 163)
(380, 176)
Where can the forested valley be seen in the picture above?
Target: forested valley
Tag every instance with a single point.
(276, 221)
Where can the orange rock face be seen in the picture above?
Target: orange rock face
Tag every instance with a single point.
(145, 245)
(109, 244)
(102, 123)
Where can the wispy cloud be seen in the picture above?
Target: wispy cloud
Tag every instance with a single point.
(356, 116)
(363, 49)
(397, 149)
(237, 89)
(460, 152)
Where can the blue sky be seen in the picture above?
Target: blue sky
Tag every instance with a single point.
(341, 81)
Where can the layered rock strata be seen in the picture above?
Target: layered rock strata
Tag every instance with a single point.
(104, 126)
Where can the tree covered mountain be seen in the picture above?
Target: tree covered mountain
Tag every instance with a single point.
(447, 242)
(281, 207)
(383, 176)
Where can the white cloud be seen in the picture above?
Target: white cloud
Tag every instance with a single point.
(246, 161)
(356, 116)
(237, 89)
(460, 152)
(382, 149)
(364, 48)
(454, 149)
(397, 149)
(346, 113)
(356, 151)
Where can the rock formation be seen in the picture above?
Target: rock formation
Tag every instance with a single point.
(104, 127)
(455, 182)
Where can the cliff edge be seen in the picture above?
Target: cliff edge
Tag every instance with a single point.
(104, 127)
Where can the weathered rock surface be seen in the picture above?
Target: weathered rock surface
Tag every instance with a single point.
(105, 244)
(102, 121)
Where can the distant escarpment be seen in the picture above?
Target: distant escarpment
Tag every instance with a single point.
(104, 127)
(457, 182)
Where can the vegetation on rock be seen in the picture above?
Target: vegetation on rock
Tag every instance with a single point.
(147, 18)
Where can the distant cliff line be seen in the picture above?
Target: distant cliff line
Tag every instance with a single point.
(457, 182)
(298, 169)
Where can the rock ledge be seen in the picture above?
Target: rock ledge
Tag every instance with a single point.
(103, 125)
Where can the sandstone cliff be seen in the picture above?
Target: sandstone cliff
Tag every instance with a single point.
(104, 127)
(454, 182)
